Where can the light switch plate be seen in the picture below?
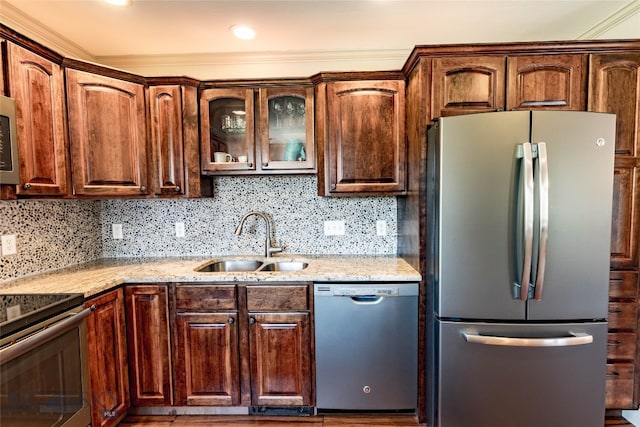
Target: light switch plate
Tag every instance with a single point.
(334, 228)
(180, 229)
(381, 227)
(116, 231)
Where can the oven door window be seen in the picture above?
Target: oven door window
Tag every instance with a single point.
(44, 386)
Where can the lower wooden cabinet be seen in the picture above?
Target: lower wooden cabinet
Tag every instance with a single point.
(147, 314)
(244, 345)
(280, 350)
(107, 348)
(205, 335)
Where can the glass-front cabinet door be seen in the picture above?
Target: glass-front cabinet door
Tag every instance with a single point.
(227, 130)
(286, 133)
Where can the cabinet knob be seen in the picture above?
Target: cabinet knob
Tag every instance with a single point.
(143, 189)
(265, 164)
(26, 186)
(230, 320)
(177, 189)
(250, 165)
(252, 320)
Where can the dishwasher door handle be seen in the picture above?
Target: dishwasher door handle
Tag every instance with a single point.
(367, 299)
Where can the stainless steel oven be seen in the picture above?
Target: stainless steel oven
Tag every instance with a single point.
(43, 368)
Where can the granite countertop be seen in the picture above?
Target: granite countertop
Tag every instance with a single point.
(97, 276)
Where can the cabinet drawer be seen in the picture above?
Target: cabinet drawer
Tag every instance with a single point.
(205, 297)
(289, 297)
(623, 315)
(623, 284)
(619, 391)
(621, 346)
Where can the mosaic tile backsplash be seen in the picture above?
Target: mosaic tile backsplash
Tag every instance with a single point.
(296, 211)
(53, 234)
(50, 234)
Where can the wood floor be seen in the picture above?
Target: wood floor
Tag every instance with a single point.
(267, 421)
(270, 421)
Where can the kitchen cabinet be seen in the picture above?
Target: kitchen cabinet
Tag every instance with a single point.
(107, 349)
(264, 130)
(174, 168)
(360, 130)
(37, 85)
(206, 362)
(481, 83)
(614, 87)
(280, 344)
(107, 134)
(148, 341)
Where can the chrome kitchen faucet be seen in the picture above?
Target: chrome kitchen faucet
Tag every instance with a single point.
(268, 249)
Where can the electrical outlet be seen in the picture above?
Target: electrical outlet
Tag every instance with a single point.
(180, 229)
(9, 245)
(334, 228)
(116, 231)
(13, 312)
(381, 227)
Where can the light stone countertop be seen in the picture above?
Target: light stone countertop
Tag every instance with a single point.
(101, 275)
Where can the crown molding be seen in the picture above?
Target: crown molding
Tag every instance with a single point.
(38, 32)
(609, 23)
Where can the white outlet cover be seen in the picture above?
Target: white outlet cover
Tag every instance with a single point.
(9, 245)
(381, 227)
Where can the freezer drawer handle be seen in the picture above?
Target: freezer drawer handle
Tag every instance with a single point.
(576, 338)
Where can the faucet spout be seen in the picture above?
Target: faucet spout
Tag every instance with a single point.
(268, 249)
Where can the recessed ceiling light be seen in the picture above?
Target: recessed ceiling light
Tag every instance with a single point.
(243, 32)
(119, 2)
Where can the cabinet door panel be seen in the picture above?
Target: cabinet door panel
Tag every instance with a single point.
(107, 135)
(108, 368)
(463, 85)
(614, 87)
(366, 147)
(37, 86)
(227, 125)
(206, 365)
(280, 349)
(285, 128)
(167, 146)
(148, 341)
(557, 82)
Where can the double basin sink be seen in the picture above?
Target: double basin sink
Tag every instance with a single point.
(248, 265)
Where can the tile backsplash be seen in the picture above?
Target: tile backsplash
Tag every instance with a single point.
(297, 214)
(50, 234)
(56, 233)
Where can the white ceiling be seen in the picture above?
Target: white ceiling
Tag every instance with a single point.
(191, 37)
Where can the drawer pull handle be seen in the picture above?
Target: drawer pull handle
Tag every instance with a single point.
(617, 311)
(614, 343)
(613, 374)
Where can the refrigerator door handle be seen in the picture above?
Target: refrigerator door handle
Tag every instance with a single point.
(525, 152)
(575, 338)
(543, 218)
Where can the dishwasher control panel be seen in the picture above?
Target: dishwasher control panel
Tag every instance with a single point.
(365, 289)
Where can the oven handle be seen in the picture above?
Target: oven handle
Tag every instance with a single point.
(35, 340)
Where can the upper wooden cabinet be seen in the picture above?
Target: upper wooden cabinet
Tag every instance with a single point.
(37, 85)
(174, 168)
(266, 130)
(473, 84)
(360, 129)
(467, 84)
(107, 135)
(557, 82)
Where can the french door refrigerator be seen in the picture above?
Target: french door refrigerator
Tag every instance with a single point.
(518, 241)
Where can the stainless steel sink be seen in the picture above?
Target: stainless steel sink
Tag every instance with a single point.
(284, 266)
(236, 265)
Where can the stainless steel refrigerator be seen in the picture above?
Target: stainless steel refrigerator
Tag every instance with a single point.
(518, 241)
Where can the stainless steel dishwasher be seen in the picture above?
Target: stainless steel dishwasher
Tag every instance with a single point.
(366, 346)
